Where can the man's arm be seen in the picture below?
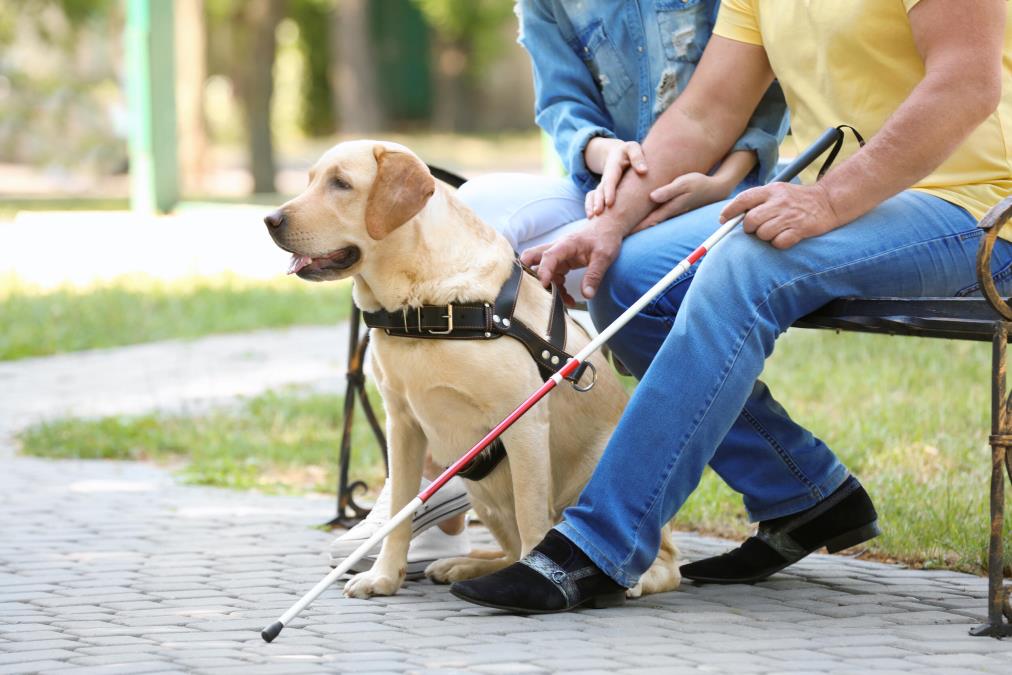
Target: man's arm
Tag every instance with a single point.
(961, 44)
(693, 134)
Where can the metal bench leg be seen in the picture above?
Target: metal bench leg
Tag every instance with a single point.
(1001, 462)
(348, 512)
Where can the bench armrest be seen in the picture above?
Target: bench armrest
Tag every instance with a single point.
(992, 224)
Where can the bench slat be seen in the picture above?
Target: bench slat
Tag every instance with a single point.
(951, 318)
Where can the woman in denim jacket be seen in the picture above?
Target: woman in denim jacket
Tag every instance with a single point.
(603, 72)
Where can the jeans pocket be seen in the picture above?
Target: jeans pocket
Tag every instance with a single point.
(684, 27)
(602, 58)
(1002, 280)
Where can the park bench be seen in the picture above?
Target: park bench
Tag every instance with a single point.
(987, 318)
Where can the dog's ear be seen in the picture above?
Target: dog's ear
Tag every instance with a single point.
(402, 187)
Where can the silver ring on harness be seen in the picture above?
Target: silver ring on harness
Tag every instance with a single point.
(578, 375)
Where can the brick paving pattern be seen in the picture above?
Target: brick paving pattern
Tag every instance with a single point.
(116, 567)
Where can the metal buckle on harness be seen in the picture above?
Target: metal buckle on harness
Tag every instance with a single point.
(449, 329)
(578, 375)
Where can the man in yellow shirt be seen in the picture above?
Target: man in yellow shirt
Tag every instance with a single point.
(929, 84)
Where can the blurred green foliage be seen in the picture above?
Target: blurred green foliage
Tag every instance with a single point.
(473, 25)
(58, 79)
(312, 16)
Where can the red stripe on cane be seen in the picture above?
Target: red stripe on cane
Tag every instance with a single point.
(455, 468)
(696, 255)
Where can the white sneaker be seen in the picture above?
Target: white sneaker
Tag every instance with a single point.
(426, 548)
(451, 500)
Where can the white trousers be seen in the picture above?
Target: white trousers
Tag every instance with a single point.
(529, 210)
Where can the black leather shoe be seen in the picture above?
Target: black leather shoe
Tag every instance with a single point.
(843, 519)
(555, 577)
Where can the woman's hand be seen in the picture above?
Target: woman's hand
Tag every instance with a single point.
(618, 156)
(685, 193)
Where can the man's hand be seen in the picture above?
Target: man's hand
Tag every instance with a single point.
(592, 247)
(784, 214)
(619, 156)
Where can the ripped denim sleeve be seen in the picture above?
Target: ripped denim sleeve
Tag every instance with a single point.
(766, 130)
(568, 103)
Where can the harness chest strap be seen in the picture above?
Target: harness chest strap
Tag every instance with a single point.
(483, 321)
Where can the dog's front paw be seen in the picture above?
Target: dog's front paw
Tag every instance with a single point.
(449, 570)
(634, 592)
(368, 584)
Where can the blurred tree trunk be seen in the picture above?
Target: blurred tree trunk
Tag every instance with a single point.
(255, 51)
(454, 93)
(191, 74)
(353, 69)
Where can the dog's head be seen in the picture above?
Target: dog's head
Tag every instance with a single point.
(358, 194)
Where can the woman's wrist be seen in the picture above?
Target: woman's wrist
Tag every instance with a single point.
(723, 186)
(733, 170)
(596, 153)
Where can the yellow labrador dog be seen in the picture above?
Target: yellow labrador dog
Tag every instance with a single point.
(373, 211)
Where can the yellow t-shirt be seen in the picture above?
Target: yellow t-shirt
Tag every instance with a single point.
(854, 62)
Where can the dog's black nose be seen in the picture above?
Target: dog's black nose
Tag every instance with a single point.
(275, 220)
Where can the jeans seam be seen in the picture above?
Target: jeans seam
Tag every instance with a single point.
(781, 453)
(859, 261)
(666, 474)
(651, 308)
(1001, 275)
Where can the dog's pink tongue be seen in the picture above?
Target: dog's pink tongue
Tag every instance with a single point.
(298, 262)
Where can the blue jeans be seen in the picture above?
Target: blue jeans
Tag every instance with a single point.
(699, 348)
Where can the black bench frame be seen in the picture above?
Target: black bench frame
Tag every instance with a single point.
(982, 319)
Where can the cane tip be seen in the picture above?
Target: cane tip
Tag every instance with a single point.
(271, 632)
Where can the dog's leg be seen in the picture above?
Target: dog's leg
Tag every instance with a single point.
(448, 570)
(663, 574)
(527, 447)
(495, 489)
(407, 453)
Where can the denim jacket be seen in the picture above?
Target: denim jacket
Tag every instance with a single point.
(611, 67)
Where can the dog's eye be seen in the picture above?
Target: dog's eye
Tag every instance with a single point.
(339, 183)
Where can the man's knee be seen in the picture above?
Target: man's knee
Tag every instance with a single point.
(746, 278)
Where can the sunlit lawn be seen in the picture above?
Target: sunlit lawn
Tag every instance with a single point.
(278, 442)
(908, 416)
(39, 322)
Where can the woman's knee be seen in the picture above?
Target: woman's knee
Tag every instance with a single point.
(522, 207)
(483, 195)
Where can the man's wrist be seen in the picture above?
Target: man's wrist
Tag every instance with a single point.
(827, 196)
(608, 225)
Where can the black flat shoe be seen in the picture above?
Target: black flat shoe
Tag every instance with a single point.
(555, 577)
(846, 518)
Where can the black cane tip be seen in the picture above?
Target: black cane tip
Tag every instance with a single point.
(271, 632)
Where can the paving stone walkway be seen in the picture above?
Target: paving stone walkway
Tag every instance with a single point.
(115, 567)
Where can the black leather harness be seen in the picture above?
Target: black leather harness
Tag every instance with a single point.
(485, 321)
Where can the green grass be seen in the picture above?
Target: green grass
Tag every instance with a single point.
(40, 322)
(11, 206)
(908, 416)
(279, 442)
